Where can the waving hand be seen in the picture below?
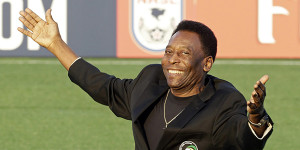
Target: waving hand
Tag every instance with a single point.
(44, 33)
(255, 104)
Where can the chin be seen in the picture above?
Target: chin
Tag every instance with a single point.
(173, 84)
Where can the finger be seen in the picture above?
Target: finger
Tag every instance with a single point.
(28, 17)
(260, 90)
(26, 32)
(49, 18)
(251, 102)
(261, 85)
(251, 105)
(251, 98)
(33, 15)
(256, 99)
(26, 23)
(264, 79)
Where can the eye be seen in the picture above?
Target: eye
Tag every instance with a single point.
(185, 52)
(168, 51)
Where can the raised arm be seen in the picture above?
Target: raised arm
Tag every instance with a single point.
(46, 34)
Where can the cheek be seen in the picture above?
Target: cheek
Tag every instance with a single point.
(196, 68)
(188, 64)
(164, 60)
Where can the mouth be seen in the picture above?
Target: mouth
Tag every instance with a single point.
(175, 72)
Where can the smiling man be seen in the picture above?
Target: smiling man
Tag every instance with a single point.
(185, 63)
(175, 105)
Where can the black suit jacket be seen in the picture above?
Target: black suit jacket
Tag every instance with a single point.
(217, 120)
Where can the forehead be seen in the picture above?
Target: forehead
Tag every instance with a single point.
(185, 39)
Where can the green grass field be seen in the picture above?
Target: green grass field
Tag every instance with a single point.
(41, 109)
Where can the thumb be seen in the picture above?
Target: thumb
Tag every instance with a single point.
(49, 18)
(264, 79)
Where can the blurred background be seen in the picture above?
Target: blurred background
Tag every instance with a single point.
(41, 109)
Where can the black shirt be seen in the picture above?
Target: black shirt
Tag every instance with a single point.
(155, 124)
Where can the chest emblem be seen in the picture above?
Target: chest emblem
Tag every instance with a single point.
(188, 145)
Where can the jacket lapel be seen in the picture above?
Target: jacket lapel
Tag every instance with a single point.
(153, 94)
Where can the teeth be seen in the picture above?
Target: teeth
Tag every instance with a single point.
(175, 71)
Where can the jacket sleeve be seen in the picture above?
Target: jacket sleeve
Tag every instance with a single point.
(103, 88)
(231, 129)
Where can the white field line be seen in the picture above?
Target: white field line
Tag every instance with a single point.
(146, 62)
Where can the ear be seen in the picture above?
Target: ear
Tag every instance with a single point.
(208, 62)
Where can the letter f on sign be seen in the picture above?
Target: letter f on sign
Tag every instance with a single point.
(265, 20)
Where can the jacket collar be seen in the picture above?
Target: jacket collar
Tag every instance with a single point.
(161, 89)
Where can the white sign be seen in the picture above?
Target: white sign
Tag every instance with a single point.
(59, 12)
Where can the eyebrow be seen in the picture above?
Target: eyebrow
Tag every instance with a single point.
(190, 48)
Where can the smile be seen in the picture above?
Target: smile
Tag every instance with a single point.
(175, 71)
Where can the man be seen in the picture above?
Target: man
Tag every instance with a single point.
(175, 105)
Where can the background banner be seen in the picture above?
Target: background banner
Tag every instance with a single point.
(142, 28)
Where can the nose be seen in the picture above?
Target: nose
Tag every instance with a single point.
(174, 59)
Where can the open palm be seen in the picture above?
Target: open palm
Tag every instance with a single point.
(44, 33)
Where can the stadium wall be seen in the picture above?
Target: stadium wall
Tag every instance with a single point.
(141, 28)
